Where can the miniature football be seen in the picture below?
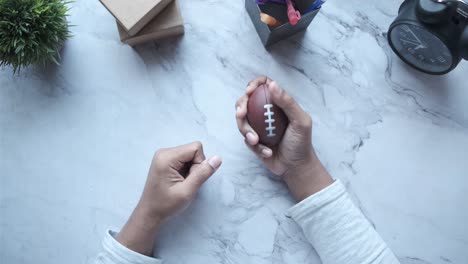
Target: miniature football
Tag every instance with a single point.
(267, 119)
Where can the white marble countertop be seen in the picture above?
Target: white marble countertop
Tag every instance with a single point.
(76, 141)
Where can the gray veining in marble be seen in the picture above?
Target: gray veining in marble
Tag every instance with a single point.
(76, 140)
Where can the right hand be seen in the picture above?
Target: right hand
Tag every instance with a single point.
(175, 176)
(294, 158)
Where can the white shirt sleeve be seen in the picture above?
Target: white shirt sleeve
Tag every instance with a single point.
(115, 253)
(338, 230)
(334, 226)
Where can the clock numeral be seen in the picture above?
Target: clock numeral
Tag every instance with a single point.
(421, 57)
(406, 28)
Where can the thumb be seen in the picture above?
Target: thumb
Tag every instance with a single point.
(291, 108)
(199, 174)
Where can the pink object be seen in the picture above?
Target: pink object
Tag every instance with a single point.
(293, 15)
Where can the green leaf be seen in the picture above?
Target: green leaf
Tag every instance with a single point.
(32, 31)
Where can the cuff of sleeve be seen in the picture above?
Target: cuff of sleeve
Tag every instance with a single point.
(317, 200)
(121, 254)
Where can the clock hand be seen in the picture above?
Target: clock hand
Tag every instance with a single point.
(420, 47)
(410, 42)
(416, 37)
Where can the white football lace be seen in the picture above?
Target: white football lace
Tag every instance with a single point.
(269, 114)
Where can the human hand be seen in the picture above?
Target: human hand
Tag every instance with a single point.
(294, 158)
(174, 178)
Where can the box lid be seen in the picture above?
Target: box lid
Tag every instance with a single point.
(168, 23)
(133, 15)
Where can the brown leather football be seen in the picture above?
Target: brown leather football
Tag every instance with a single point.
(267, 119)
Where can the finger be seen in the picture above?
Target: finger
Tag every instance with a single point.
(201, 172)
(261, 150)
(256, 83)
(242, 123)
(241, 106)
(291, 108)
(192, 152)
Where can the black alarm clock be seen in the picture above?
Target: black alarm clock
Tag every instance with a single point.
(431, 35)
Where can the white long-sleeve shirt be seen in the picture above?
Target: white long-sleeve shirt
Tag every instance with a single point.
(334, 226)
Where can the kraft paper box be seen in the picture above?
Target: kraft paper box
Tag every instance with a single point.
(167, 24)
(133, 15)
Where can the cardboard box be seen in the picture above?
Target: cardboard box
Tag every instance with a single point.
(133, 15)
(168, 23)
(270, 35)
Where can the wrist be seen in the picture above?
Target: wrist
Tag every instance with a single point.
(307, 178)
(139, 232)
(147, 216)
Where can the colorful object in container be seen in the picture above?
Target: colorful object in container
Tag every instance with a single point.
(269, 20)
(293, 15)
(262, 2)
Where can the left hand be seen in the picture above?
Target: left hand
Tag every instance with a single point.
(294, 158)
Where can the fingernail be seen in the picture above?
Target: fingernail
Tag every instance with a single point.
(215, 162)
(238, 109)
(250, 138)
(267, 152)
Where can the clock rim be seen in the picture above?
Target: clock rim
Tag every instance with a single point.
(455, 59)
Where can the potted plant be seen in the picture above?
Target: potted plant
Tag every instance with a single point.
(32, 31)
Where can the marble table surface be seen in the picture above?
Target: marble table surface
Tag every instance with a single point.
(76, 140)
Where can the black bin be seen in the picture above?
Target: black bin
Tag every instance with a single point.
(270, 35)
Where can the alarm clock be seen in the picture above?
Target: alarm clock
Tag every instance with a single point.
(431, 35)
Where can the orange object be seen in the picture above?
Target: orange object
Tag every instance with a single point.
(269, 20)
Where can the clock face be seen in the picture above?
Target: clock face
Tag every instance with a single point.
(421, 48)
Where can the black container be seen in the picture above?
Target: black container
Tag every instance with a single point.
(270, 35)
